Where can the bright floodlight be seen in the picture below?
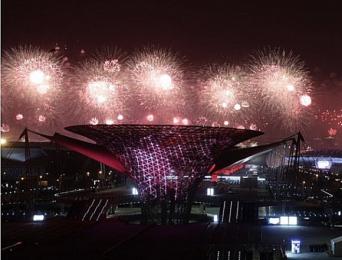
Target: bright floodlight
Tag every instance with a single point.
(323, 164)
(38, 217)
(165, 81)
(37, 77)
(305, 100)
(135, 191)
(293, 220)
(284, 220)
(3, 141)
(215, 218)
(274, 221)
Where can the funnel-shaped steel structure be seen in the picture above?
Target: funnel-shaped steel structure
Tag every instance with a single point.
(167, 161)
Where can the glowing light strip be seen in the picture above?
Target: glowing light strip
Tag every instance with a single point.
(86, 213)
(97, 219)
(223, 210)
(95, 210)
(329, 194)
(237, 210)
(230, 211)
(336, 160)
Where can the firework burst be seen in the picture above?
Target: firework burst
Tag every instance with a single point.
(283, 86)
(157, 78)
(101, 86)
(34, 72)
(225, 93)
(331, 117)
(31, 84)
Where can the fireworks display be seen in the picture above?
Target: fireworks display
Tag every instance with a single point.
(157, 78)
(31, 71)
(283, 84)
(31, 84)
(225, 92)
(153, 86)
(101, 87)
(331, 117)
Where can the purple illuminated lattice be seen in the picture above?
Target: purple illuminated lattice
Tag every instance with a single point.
(165, 160)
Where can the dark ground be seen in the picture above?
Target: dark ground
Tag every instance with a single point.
(108, 240)
(66, 239)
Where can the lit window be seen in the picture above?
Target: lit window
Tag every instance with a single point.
(210, 191)
(135, 191)
(274, 221)
(293, 220)
(38, 217)
(284, 220)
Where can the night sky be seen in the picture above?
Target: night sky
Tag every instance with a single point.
(202, 32)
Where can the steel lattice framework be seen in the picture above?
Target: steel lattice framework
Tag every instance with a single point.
(165, 160)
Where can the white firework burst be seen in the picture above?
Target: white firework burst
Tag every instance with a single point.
(157, 78)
